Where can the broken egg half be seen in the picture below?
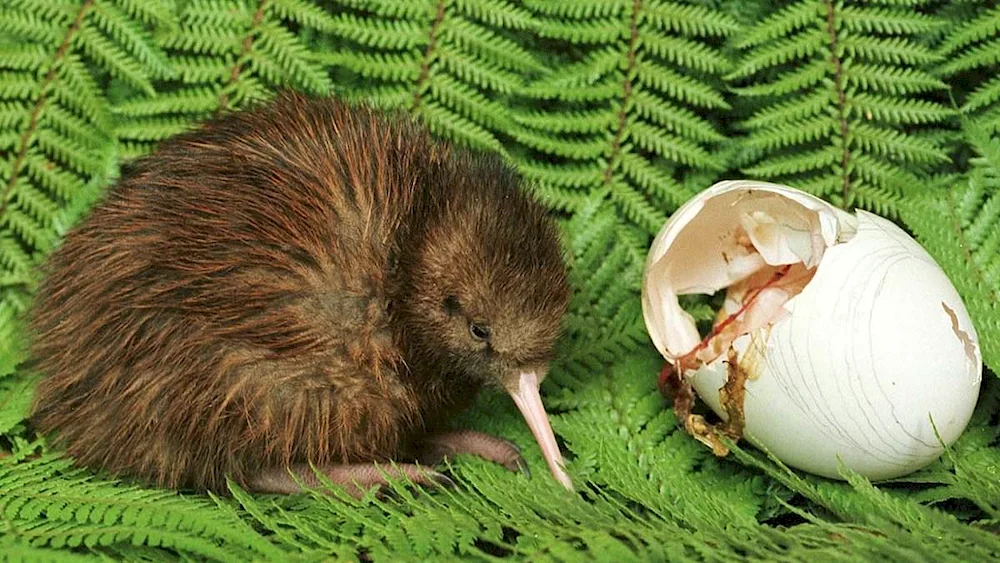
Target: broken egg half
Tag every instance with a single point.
(839, 340)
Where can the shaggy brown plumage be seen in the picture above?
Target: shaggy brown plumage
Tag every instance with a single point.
(303, 282)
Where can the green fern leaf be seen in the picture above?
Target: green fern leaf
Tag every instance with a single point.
(802, 77)
(16, 551)
(585, 148)
(239, 50)
(446, 123)
(628, 95)
(576, 10)
(133, 38)
(961, 231)
(894, 81)
(833, 85)
(970, 60)
(607, 268)
(985, 98)
(16, 392)
(791, 19)
(886, 21)
(488, 45)
(39, 511)
(452, 64)
(60, 137)
(890, 51)
(376, 67)
(689, 20)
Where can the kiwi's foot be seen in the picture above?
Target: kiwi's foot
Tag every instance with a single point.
(355, 478)
(445, 445)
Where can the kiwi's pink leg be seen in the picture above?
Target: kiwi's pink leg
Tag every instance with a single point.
(355, 478)
(445, 445)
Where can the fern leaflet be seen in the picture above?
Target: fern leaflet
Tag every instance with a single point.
(629, 109)
(830, 87)
(59, 134)
(972, 52)
(227, 54)
(962, 230)
(452, 64)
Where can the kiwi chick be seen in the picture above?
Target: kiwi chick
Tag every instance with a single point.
(304, 282)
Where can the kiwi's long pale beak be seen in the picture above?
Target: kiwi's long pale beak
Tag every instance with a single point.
(524, 391)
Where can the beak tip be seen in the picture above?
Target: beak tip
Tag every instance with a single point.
(528, 401)
(566, 482)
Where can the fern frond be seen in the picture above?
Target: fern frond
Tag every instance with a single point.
(228, 54)
(39, 511)
(605, 320)
(577, 147)
(972, 58)
(981, 28)
(830, 90)
(452, 64)
(689, 20)
(892, 51)
(781, 24)
(802, 77)
(970, 52)
(57, 116)
(886, 21)
(16, 391)
(961, 229)
(17, 551)
(896, 81)
(130, 36)
(629, 94)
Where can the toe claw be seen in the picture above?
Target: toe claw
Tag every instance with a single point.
(443, 480)
(515, 461)
(513, 446)
(520, 466)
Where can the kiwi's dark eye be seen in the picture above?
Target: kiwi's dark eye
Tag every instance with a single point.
(451, 305)
(479, 332)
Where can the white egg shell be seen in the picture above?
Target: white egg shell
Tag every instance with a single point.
(872, 350)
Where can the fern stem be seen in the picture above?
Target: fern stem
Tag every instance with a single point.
(838, 83)
(425, 64)
(36, 112)
(962, 242)
(237, 69)
(616, 145)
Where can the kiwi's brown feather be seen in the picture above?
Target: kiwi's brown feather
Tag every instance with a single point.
(267, 290)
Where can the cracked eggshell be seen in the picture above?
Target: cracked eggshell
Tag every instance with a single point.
(855, 366)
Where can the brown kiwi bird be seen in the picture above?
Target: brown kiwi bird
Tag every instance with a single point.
(304, 283)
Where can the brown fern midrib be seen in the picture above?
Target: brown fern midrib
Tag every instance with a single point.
(36, 112)
(838, 84)
(425, 63)
(616, 144)
(234, 73)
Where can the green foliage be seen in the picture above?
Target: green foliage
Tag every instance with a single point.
(960, 225)
(971, 54)
(605, 317)
(225, 54)
(56, 142)
(836, 93)
(616, 111)
(47, 503)
(628, 109)
(452, 63)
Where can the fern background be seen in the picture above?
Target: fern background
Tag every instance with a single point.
(618, 111)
